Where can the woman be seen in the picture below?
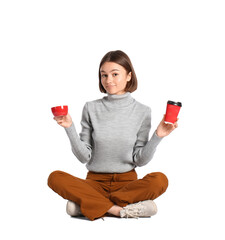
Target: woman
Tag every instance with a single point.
(112, 143)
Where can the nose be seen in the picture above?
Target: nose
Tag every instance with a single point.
(109, 79)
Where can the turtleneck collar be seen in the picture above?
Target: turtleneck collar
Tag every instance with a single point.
(118, 101)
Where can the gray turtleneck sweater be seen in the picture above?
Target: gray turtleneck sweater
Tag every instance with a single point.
(114, 136)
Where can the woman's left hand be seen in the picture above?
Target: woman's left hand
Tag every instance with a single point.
(164, 129)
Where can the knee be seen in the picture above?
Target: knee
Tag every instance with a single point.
(159, 179)
(163, 180)
(54, 177)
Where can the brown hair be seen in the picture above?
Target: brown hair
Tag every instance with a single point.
(122, 59)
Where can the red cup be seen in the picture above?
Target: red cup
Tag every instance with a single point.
(172, 111)
(60, 110)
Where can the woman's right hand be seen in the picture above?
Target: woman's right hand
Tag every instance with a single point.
(64, 121)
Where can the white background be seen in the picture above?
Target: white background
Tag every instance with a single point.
(49, 55)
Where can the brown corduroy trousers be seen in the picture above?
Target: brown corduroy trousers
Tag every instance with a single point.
(100, 191)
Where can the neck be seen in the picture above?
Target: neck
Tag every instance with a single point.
(118, 101)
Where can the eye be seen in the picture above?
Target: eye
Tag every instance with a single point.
(104, 75)
(115, 74)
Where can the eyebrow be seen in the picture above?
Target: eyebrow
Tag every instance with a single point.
(110, 71)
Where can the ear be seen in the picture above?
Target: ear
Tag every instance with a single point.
(129, 76)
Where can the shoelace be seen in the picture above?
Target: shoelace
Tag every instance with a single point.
(133, 211)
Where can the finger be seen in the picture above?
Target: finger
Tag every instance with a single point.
(177, 120)
(58, 118)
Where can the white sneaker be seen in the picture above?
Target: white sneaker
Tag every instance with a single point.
(141, 209)
(73, 209)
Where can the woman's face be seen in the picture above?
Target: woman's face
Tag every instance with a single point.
(114, 78)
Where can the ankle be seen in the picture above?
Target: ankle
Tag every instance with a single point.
(115, 210)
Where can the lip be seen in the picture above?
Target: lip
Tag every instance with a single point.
(110, 85)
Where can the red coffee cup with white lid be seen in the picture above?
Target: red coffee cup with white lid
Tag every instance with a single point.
(172, 111)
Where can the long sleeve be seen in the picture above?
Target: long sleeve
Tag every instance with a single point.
(144, 149)
(81, 146)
